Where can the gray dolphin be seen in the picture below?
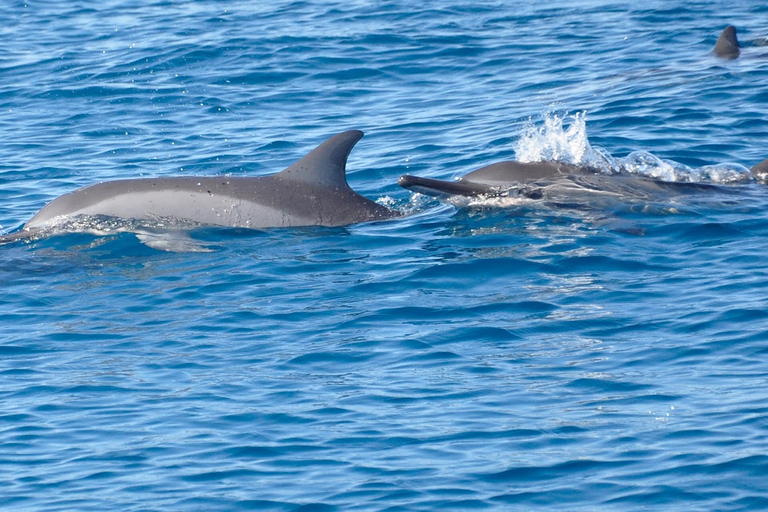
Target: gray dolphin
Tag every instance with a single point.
(311, 192)
(727, 46)
(552, 180)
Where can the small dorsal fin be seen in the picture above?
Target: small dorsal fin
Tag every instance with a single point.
(760, 171)
(727, 46)
(326, 164)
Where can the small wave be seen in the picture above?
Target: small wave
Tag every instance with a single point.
(508, 200)
(648, 164)
(104, 225)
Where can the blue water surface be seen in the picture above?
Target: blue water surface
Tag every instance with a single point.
(535, 356)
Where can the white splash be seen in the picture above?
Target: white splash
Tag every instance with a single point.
(726, 173)
(502, 201)
(387, 201)
(553, 141)
(563, 138)
(648, 164)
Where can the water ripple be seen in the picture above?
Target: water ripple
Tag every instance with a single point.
(603, 354)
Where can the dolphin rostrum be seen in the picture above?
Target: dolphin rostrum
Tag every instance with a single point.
(536, 180)
(311, 192)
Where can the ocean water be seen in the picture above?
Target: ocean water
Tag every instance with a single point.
(590, 356)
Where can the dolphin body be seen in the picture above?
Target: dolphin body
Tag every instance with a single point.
(311, 192)
(554, 181)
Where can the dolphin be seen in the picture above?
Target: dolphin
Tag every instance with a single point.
(552, 180)
(311, 192)
(493, 180)
(727, 46)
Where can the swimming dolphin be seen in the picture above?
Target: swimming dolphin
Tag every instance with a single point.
(727, 46)
(493, 180)
(311, 192)
(538, 180)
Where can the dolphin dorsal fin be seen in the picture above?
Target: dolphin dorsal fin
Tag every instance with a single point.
(727, 46)
(760, 171)
(326, 164)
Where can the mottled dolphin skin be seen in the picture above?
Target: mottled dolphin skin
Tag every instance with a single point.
(311, 192)
(727, 46)
(552, 180)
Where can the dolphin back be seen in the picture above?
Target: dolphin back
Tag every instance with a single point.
(511, 172)
(324, 170)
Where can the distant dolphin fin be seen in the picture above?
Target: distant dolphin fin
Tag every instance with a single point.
(760, 171)
(727, 46)
(444, 189)
(326, 164)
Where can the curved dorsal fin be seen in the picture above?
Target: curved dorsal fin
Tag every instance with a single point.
(326, 164)
(727, 46)
(760, 171)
